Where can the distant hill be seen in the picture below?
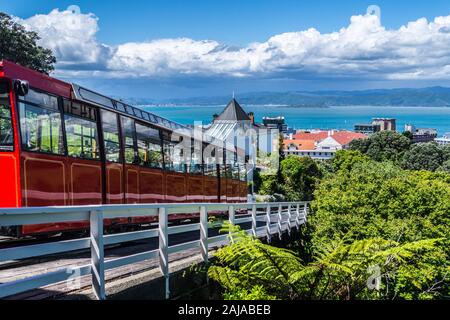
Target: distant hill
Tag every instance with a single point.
(425, 97)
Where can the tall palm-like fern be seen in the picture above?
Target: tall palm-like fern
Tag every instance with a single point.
(339, 270)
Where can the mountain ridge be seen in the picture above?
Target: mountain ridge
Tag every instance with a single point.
(408, 97)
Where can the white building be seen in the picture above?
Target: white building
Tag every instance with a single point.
(445, 140)
(321, 145)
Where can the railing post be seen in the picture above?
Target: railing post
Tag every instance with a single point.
(254, 221)
(231, 219)
(297, 219)
(97, 254)
(305, 212)
(268, 221)
(280, 221)
(163, 249)
(289, 219)
(204, 233)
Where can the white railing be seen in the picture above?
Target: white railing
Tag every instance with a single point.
(274, 217)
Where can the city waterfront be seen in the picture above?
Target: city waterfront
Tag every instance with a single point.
(318, 118)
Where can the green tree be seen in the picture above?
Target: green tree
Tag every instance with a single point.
(299, 177)
(346, 159)
(379, 200)
(408, 134)
(383, 146)
(269, 185)
(20, 46)
(446, 152)
(281, 146)
(445, 166)
(423, 156)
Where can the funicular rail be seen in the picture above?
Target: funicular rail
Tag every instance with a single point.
(267, 219)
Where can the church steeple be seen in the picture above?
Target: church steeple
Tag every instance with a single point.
(233, 112)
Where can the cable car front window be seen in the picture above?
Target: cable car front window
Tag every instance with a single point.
(6, 128)
(41, 129)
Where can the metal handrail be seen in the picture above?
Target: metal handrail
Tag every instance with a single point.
(287, 216)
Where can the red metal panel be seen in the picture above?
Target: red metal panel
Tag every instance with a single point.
(230, 196)
(176, 187)
(236, 191)
(151, 185)
(85, 182)
(114, 183)
(36, 79)
(211, 190)
(131, 184)
(195, 188)
(44, 180)
(223, 185)
(9, 186)
(244, 191)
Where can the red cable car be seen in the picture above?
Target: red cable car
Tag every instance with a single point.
(64, 145)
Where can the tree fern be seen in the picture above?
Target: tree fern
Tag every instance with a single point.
(339, 270)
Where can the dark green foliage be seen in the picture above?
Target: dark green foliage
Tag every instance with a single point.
(299, 178)
(296, 179)
(249, 269)
(381, 200)
(257, 180)
(20, 46)
(408, 134)
(391, 146)
(383, 146)
(445, 166)
(281, 146)
(365, 215)
(269, 185)
(424, 156)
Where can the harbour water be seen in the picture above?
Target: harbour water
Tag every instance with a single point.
(318, 118)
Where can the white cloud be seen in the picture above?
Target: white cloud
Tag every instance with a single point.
(365, 48)
(72, 37)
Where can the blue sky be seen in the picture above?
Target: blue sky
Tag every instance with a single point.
(136, 47)
(233, 21)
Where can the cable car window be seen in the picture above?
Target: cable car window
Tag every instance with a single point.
(81, 130)
(149, 147)
(95, 97)
(41, 129)
(129, 110)
(111, 136)
(195, 166)
(137, 113)
(152, 118)
(230, 157)
(120, 106)
(210, 161)
(173, 154)
(128, 136)
(235, 172)
(81, 110)
(42, 99)
(6, 128)
(243, 173)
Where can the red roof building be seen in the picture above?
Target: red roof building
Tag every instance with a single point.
(320, 144)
